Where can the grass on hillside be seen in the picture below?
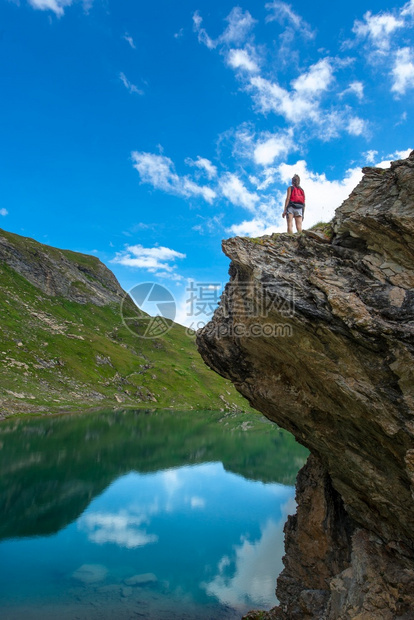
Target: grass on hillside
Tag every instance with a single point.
(61, 355)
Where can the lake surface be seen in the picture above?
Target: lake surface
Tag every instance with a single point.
(134, 514)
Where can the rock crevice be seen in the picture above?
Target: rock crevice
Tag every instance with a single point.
(317, 331)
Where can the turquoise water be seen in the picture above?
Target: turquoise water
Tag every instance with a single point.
(134, 515)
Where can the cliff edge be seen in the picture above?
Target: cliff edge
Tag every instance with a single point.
(316, 331)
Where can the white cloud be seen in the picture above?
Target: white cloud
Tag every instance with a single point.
(4, 212)
(283, 13)
(356, 126)
(121, 529)
(203, 37)
(158, 171)
(242, 140)
(192, 189)
(377, 29)
(239, 25)
(403, 71)
(253, 228)
(234, 190)
(273, 146)
(402, 154)
(197, 21)
(302, 103)
(402, 119)
(288, 52)
(267, 218)
(159, 260)
(370, 156)
(129, 86)
(270, 97)
(267, 178)
(57, 6)
(295, 27)
(130, 40)
(242, 59)
(203, 164)
(381, 35)
(355, 88)
(393, 157)
(168, 275)
(261, 148)
(408, 9)
(316, 80)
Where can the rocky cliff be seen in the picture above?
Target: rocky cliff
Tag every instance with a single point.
(316, 330)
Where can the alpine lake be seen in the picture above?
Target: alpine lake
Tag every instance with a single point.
(161, 515)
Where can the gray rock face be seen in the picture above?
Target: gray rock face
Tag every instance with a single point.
(77, 277)
(317, 331)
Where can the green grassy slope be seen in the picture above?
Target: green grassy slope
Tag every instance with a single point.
(59, 354)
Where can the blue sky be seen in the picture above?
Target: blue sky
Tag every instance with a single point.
(147, 132)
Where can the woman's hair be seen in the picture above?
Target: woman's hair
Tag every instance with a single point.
(296, 180)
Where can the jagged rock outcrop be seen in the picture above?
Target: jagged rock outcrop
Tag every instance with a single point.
(319, 337)
(78, 277)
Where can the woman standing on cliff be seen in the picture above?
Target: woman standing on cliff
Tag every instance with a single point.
(294, 205)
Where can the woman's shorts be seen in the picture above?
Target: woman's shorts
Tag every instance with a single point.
(295, 211)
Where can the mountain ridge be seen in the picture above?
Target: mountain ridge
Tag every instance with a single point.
(55, 271)
(64, 345)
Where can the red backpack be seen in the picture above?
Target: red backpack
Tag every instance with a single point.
(297, 195)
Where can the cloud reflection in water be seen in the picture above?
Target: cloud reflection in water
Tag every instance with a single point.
(249, 575)
(122, 529)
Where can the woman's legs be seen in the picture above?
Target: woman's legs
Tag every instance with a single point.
(298, 222)
(289, 219)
